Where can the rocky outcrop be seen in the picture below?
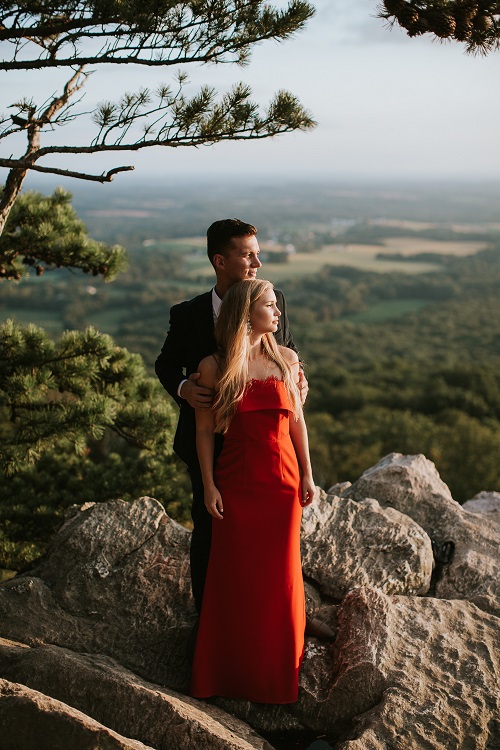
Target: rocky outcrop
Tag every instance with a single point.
(101, 625)
(31, 720)
(487, 503)
(418, 673)
(114, 581)
(345, 544)
(412, 485)
(120, 700)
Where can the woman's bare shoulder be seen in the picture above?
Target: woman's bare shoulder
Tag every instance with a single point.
(289, 355)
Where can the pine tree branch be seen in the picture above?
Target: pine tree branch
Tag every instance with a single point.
(75, 83)
(130, 439)
(172, 33)
(104, 177)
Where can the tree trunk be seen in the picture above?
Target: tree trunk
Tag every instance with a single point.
(11, 190)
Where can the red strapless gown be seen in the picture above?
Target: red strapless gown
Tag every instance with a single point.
(250, 641)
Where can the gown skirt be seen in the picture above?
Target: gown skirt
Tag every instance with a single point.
(250, 641)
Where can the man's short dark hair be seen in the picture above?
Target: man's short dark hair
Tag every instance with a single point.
(220, 234)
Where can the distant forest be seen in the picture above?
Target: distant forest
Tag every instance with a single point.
(396, 362)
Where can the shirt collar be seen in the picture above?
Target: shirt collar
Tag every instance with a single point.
(216, 303)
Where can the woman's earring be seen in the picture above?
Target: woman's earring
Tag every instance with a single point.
(249, 326)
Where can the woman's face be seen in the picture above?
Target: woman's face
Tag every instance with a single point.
(264, 313)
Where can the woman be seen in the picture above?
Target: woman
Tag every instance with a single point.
(251, 636)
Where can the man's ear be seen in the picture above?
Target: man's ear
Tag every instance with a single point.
(218, 260)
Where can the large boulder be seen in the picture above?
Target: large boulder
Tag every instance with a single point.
(116, 581)
(412, 485)
(485, 503)
(416, 673)
(31, 720)
(122, 702)
(345, 544)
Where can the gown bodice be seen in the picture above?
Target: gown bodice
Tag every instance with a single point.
(262, 413)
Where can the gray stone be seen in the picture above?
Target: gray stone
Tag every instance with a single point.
(116, 581)
(98, 686)
(412, 485)
(403, 672)
(30, 720)
(345, 544)
(485, 503)
(417, 673)
(115, 586)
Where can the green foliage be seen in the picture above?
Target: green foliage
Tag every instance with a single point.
(464, 449)
(80, 421)
(72, 390)
(426, 382)
(35, 499)
(151, 32)
(44, 232)
(76, 33)
(423, 378)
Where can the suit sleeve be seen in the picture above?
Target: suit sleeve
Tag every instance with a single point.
(287, 336)
(171, 361)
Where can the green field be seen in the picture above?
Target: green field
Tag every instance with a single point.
(387, 310)
(363, 257)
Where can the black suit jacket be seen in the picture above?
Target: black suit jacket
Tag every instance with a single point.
(190, 339)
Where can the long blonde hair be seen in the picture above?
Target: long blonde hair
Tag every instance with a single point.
(231, 335)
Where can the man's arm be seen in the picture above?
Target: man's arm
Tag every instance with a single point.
(287, 336)
(171, 362)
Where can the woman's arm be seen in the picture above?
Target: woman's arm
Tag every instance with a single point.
(205, 440)
(298, 434)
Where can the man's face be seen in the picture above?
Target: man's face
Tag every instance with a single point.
(240, 261)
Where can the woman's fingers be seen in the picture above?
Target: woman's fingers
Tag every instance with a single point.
(308, 495)
(214, 507)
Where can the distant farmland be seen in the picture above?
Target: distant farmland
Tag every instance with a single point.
(363, 257)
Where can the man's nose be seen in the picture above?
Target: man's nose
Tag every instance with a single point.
(256, 262)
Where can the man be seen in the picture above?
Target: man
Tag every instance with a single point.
(233, 250)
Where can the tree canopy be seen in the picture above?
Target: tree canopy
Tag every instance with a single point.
(72, 34)
(44, 232)
(49, 33)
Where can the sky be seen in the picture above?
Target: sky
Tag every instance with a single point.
(388, 107)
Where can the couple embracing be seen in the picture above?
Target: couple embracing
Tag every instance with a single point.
(230, 362)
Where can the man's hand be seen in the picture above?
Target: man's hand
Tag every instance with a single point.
(303, 386)
(197, 396)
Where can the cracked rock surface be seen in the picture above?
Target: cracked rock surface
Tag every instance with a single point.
(115, 581)
(117, 698)
(433, 667)
(346, 544)
(412, 485)
(31, 720)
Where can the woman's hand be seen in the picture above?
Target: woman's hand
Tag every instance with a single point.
(308, 491)
(213, 502)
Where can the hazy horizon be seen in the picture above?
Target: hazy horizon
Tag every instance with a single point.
(388, 108)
